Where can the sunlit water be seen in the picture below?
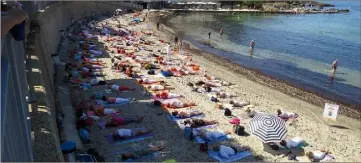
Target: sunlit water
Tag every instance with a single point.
(297, 48)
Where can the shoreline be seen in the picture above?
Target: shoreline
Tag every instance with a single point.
(336, 11)
(349, 110)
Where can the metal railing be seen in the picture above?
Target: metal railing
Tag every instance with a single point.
(15, 126)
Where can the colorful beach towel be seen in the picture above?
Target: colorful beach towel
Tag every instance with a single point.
(236, 157)
(200, 140)
(172, 118)
(128, 140)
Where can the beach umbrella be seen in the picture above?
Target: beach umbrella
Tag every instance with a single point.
(268, 128)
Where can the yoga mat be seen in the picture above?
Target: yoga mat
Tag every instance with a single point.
(128, 140)
(102, 124)
(106, 104)
(236, 157)
(170, 117)
(200, 140)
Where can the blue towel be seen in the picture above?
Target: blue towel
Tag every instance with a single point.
(170, 117)
(200, 140)
(236, 157)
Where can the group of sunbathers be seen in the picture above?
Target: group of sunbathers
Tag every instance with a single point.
(83, 64)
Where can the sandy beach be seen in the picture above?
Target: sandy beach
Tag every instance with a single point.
(341, 137)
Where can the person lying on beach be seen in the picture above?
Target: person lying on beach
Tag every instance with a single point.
(224, 95)
(126, 133)
(251, 113)
(317, 156)
(140, 153)
(220, 82)
(93, 66)
(115, 100)
(286, 115)
(167, 95)
(166, 73)
(205, 89)
(205, 83)
(228, 151)
(239, 103)
(115, 87)
(209, 77)
(148, 81)
(185, 115)
(157, 87)
(196, 123)
(101, 111)
(292, 143)
(118, 121)
(210, 135)
(78, 74)
(174, 103)
(92, 60)
(149, 66)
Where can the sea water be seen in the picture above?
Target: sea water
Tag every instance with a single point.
(297, 48)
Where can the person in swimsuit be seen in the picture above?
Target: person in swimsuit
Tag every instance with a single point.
(167, 95)
(178, 104)
(252, 44)
(196, 123)
(115, 100)
(148, 81)
(185, 115)
(317, 156)
(115, 87)
(239, 103)
(126, 133)
(224, 95)
(156, 87)
(118, 121)
(101, 111)
(334, 66)
(143, 152)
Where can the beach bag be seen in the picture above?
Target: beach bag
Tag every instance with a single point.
(188, 133)
(203, 147)
(151, 72)
(227, 112)
(235, 121)
(214, 99)
(239, 130)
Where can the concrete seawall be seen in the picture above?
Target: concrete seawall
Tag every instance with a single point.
(42, 42)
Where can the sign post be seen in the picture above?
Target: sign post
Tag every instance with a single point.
(330, 111)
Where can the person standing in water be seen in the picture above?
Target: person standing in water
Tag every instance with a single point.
(334, 66)
(180, 44)
(252, 44)
(175, 40)
(158, 25)
(168, 49)
(221, 31)
(209, 38)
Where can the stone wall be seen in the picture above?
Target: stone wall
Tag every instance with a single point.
(43, 41)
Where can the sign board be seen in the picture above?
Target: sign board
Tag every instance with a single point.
(330, 111)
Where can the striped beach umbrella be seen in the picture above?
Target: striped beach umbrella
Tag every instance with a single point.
(268, 128)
